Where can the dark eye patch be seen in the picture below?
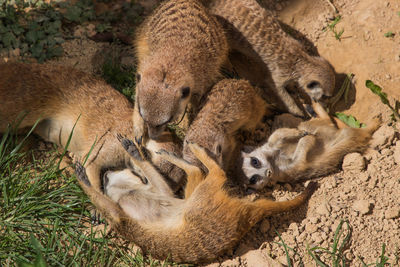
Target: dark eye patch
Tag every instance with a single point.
(255, 163)
(313, 85)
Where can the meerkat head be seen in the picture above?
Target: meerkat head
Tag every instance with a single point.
(317, 78)
(162, 94)
(119, 183)
(257, 168)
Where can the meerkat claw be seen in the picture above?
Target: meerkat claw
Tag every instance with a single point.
(81, 173)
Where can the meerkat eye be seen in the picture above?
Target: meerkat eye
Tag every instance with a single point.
(254, 162)
(254, 178)
(185, 92)
(313, 85)
(138, 76)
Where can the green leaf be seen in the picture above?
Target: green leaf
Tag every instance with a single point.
(73, 13)
(31, 37)
(349, 120)
(378, 91)
(389, 34)
(8, 39)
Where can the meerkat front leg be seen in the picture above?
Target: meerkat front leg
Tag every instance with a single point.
(138, 126)
(299, 159)
(194, 174)
(284, 135)
(150, 172)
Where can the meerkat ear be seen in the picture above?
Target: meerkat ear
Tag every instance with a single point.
(247, 149)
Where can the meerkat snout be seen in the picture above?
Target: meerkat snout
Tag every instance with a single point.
(162, 100)
(317, 78)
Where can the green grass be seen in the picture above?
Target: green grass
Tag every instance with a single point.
(44, 217)
(333, 255)
(332, 28)
(120, 77)
(389, 34)
(377, 90)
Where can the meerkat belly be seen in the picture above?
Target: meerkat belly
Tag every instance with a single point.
(59, 130)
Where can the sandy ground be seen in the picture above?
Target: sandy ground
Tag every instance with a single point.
(367, 191)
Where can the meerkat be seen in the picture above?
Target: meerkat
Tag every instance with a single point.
(180, 49)
(231, 106)
(315, 148)
(61, 99)
(254, 31)
(196, 229)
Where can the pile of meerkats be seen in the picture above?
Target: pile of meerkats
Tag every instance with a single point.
(136, 167)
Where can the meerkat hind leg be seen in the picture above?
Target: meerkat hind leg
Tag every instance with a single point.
(194, 174)
(106, 206)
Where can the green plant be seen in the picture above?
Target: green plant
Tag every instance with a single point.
(332, 28)
(120, 77)
(389, 34)
(349, 120)
(336, 251)
(376, 89)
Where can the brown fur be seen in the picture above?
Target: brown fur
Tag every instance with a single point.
(198, 229)
(315, 148)
(255, 32)
(57, 96)
(179, 46)
(231, 106)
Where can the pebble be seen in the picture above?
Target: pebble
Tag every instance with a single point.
(396, 154)
(324, 208)
(353, 162)
(383, 137)
(392, 213)
(363, 206)
(255, 258)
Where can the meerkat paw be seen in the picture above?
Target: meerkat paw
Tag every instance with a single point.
(138, 133)
(81, 174)
(130, 147)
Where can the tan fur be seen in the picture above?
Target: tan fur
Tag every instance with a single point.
(231, 106)
(57, 96)
(255, 32)
(198, 229)
(178, 46)
(315, 148)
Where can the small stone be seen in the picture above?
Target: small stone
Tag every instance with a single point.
(311, 228)
(362, 206)
(231, 263)
(396, 153)
(386, 152)
(383, 137)
(323, 209)
(314, 220)
(392, 213)
(255, 258)
(265, 226)
(353, 162)
(364, 177)
(388, 76)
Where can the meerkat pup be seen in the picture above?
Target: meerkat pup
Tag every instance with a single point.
(315, 148)
(254, 31)
(63, 99)
(197, 229)
(231, 106)
(180, 50)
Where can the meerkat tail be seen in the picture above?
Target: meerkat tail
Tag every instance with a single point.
(269, 207)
